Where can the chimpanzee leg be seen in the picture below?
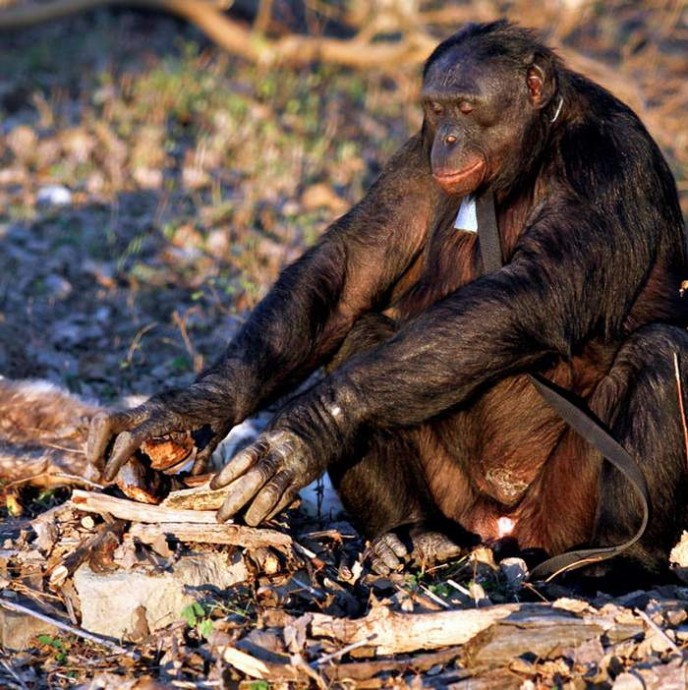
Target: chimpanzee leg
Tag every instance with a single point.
(383, 487)
(639, 402)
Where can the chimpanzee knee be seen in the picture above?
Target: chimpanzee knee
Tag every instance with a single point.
(642, 392)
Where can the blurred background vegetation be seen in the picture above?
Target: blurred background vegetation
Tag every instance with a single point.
(162, 160)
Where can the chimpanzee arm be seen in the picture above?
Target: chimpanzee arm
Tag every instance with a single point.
(313, 305)
(299, 323)
(571, 277)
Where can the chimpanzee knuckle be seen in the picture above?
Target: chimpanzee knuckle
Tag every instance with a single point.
(239, 493)
(285, 501)
(382, 558)
(237, 466)
(271, 464)
(200, 465)
(125, 439)
(263, 504)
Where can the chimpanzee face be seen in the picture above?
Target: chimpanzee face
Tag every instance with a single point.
(476, 113)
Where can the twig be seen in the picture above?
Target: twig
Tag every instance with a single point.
(344, 650)
(123, 509)
(196, 359)
(83, 634)
(69, 479)
(679, 389)
(234, 535)
(434, 597)
(14, 675)
(136, 341)
(655, 628)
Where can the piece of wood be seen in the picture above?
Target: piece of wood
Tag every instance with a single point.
(235, 535)
(540, 630)
(197, 498)
(396, 633)
(198, 526)
(547, 625)
(170, 452)
(92, 502)
(362, 670)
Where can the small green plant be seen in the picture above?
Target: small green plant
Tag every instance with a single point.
(196, 617)
(259, 685)
(56, 644)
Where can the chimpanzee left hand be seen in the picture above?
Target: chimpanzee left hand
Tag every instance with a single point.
(267, 475)
(307, 436)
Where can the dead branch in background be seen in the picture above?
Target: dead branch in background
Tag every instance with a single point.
(362, 50)
(237, 39)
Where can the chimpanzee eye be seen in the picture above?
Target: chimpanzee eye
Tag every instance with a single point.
(436, 107)
(466, 107)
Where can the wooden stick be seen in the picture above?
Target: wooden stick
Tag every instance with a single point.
(91, 502)
(396, 633)
(197, 498)
(662, 633)
(362, 670)
(235, 535)
(198, 526)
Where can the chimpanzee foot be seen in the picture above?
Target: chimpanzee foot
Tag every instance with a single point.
(418, 545)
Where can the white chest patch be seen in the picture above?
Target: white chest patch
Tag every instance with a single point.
(467, 218)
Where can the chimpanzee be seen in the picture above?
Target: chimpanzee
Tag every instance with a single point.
(427, 418)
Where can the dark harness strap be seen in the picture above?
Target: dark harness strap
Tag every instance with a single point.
(574, 412)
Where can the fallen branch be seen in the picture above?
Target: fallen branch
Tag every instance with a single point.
(234, 535)
(91, 502)
(396, 633)
(237, 39)
(198, 526)
(266, 665)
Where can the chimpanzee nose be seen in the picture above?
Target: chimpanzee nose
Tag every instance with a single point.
(450, 139)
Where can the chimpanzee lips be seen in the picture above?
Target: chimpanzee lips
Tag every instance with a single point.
(461, 181)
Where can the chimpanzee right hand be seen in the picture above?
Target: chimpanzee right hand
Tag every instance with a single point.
(203, 409)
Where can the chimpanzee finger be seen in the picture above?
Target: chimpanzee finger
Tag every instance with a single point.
(104, 426)
(203, 456)
(130, 440)
(286, 500)
(241, 491)
(239, 464)
(386, 553)
(269, 497)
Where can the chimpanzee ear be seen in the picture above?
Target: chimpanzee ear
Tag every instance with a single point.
(541, 84)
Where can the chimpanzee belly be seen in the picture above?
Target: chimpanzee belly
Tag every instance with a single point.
(501, 463)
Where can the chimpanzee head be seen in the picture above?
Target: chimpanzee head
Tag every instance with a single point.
(486, 92)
